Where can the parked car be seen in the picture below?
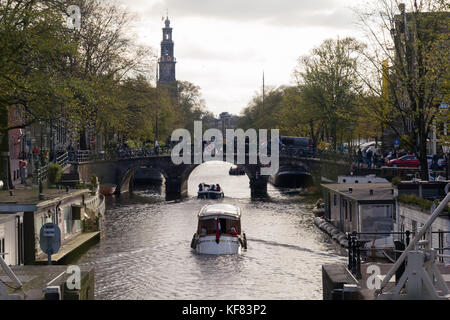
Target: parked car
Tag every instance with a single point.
(409, 161)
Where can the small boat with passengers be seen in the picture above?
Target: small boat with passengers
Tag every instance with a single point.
(209, 191)
(236, 171)
(219, 230)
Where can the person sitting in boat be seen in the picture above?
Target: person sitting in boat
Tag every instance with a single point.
(217, 187)
(233, 231)
(203, 232)
(213, 188)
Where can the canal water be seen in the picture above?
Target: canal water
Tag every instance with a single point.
(146, 252)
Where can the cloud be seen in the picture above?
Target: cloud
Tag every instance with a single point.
(224, 45)
(327, 13)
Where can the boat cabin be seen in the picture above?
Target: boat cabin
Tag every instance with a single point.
(360, 207)
(224, 216)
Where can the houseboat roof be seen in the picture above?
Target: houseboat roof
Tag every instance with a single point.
(220, 209)
(362, 191)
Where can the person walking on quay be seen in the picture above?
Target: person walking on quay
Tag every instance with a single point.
(156, 147)
(369, 155)
(360, 158)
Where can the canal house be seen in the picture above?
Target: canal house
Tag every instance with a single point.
(360, 207)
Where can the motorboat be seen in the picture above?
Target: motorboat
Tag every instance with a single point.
(207, 191)
(291, 177)
(236, 171)
(219, 230)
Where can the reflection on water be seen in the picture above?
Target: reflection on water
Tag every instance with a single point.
(146, 251)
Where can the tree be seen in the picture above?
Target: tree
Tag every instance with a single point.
(413, 40)
(34, 48)
(328, 85)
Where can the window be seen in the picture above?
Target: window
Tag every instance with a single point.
(345, 209)
(414, 227)
(335, 200)
(350, 211)
(67, 221)
(2, 247)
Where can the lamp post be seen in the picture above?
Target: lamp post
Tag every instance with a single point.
(446, 150)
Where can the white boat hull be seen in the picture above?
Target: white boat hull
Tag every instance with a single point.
(227, 245)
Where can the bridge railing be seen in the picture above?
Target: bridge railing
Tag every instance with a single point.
(80, 156)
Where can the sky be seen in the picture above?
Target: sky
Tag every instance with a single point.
(224, 46)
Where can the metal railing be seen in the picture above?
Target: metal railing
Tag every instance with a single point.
(63, 160)
(413, 245)
(355, 248)
(80, 156)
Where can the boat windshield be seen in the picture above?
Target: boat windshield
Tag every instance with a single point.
(209, 226)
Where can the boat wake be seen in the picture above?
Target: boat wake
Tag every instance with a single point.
(290, 246)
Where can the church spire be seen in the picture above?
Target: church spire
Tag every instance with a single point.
(167, 60)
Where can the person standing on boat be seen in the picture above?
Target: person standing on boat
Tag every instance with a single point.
(200, 187)
(218, 231)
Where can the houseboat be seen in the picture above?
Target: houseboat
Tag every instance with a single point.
(366, 208)
(219, 230)
(207, 191)
(291, 177)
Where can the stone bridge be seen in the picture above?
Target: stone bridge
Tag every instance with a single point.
(120, 172)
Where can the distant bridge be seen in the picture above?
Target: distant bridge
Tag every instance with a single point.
(121, 171)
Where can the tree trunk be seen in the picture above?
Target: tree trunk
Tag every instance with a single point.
(5, 174)
(424, 174)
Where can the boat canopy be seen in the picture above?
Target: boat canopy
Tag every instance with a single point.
(220, 209)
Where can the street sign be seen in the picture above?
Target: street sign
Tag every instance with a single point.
(396, 142)
(50, 239)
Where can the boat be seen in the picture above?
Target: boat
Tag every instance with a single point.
(319, 208)
(107, 189)
(207, 192)
(236, 171)
(291, 177)
(219, 230)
